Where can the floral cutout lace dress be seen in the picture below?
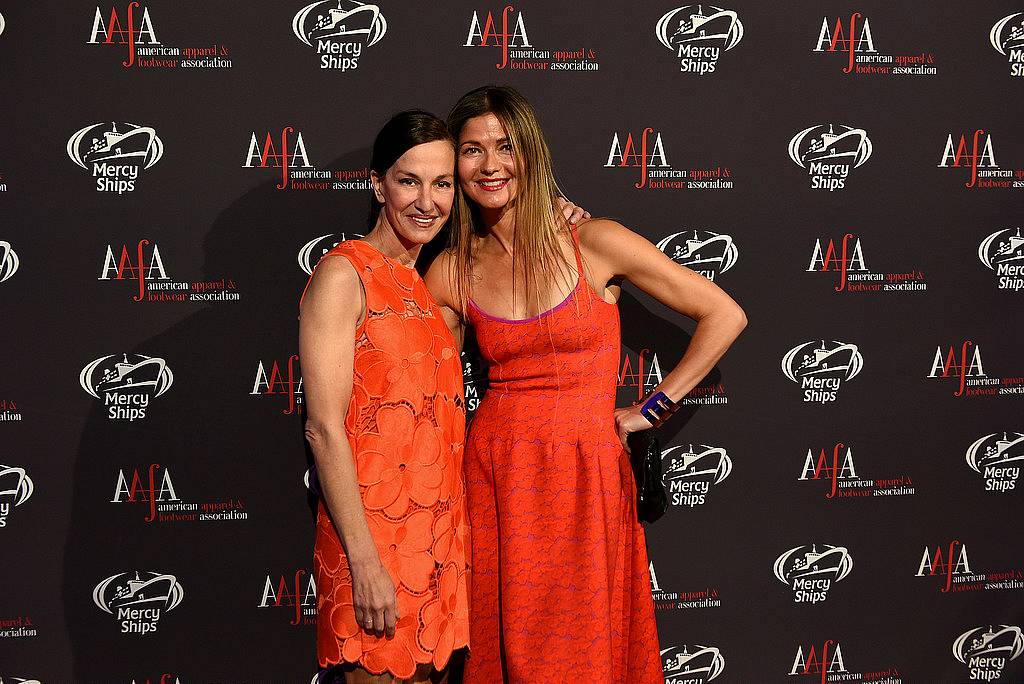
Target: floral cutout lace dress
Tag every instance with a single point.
(406, 425)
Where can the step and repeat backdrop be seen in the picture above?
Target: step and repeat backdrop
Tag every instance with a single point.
(845, 486)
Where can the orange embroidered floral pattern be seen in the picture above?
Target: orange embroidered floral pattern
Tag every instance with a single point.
(406, 424)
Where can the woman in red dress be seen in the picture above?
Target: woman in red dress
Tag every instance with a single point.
(386, 422)
(559, 584)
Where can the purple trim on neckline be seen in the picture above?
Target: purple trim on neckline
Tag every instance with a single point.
(550, 311)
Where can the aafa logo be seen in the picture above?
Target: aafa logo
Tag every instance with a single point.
(126, 383)
(997, 459)
(117, 152)
(166, 678)
(15, 489)
(151, 489)
(113, 33)
(292, 592)
(311, 252)
(846, 39)
(1002, 252)
(698, 35)
(145, 266)
(691, 471)
(820, 369)
(694, 664)
(285, 154)
(978, 154)
(840, 466)
(829, 152)
(271, 380)
(810, 572)
(986, 651)
(9, 261)
(820, 660)
(960, 366)
(339, 30)
(625, 154)
(945, 562)
(709, 254)
(511, 35)
(138, 599)
(848, 257)
(1007, 37)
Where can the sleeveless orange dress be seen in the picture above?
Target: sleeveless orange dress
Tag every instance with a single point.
(559, 583)
(406, 426)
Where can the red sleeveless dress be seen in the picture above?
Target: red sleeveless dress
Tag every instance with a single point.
(559, 583)
(406, 426)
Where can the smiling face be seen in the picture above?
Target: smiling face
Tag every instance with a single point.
(487, 167)
(417, 191)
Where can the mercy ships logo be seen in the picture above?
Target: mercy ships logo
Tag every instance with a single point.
(829, 152)
(690, 472)
(820, 369)
(997, 458)
(138, 599)
(810, 572)
(1007, 37)
(9, 261)
(126, 383)
(311, 252)
(339, 30)
(709, 254)
(694, 664)
(698, 35)
(1002, 252)
(15, 489)
(986, 651)
(115, 153)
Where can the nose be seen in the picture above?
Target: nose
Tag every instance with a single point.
(424, 200)
(489, 164)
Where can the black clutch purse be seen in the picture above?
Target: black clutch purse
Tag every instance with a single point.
(645, 457)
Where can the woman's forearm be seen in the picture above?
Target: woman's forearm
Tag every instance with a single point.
(339, 487)
(714, 334)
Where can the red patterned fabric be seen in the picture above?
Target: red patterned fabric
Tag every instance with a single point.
(559, 583)
(406, 426)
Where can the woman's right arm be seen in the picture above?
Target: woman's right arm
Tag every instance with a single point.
(439, 280)
(329, 315)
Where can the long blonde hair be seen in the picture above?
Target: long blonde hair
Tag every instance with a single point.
(537, 257)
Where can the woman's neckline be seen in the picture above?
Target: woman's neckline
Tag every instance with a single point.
(387, 256)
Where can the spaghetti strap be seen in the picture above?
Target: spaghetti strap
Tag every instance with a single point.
(577, 252)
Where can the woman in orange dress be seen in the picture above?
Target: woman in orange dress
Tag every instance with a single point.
(386, 422)
(559, 584)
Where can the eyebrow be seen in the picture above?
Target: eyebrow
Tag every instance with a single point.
(477, 142)
(410, 174)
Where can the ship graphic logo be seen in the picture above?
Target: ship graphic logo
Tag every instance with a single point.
(126, 373)
(988, 649)
(9, 261)
(339, 20)
(118, 143)
(694, 663)
(693, 463)
(313, 250)
(17, 680)
(1002, 247)
(831, 143)
(138, 590)
(15, 488)
(831, 359)
(1008, 33)
(807, 563)
(996, 450)
(699, 25)
(2, 25)
(707, 253)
